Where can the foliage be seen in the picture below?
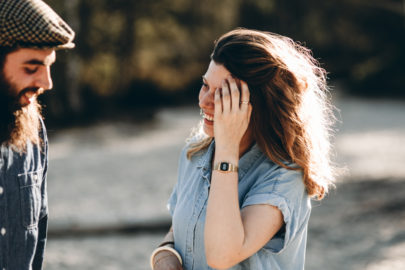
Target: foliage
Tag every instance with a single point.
(142, 49)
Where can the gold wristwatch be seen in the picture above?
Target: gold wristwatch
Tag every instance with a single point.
(225, 167)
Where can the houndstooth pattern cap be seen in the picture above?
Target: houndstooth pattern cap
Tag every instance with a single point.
(32, 23)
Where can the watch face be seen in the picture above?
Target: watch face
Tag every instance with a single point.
(224, 166)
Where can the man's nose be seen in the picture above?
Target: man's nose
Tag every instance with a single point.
(44, 79)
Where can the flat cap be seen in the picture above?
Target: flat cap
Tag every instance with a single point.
(32, 23)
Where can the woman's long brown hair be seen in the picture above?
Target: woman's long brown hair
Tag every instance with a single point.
(292, 116)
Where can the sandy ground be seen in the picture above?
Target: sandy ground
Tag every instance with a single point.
(119, 174)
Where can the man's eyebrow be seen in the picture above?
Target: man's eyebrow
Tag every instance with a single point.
(37, 62)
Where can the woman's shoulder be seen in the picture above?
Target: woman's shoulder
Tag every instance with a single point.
(287, 179)
(271, 183)
(196, 146)
(195, 153)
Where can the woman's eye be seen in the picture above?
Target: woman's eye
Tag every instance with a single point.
(204, 85)
(30, 70)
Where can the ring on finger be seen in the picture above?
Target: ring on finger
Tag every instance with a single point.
(244, 102)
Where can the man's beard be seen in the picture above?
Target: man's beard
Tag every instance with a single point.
(19, 125)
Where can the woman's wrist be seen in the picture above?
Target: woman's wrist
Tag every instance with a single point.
(226, 157)
(169, 243)
(169, 239)
(230, 152)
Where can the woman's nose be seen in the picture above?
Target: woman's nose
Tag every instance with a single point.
(206, 100)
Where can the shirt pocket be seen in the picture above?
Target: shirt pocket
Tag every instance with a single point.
(30, 196)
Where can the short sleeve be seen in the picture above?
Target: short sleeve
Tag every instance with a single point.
(286, 191)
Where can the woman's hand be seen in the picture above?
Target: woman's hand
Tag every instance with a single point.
(232, 115)
(166, 260)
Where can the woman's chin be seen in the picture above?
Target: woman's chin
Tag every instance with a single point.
(209, 131)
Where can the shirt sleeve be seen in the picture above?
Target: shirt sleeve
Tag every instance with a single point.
(40, 248)
(286, 191)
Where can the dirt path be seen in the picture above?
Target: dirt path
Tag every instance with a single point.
(118, 173)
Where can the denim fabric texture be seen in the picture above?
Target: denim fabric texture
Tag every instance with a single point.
(23, 206)
(260, 182)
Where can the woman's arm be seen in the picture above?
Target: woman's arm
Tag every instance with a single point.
(232, 235)
(169, 238)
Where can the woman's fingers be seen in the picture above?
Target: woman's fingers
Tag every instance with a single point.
(230, 98)
(218, 102)
(234, 93)
(232, 115)
(245, 97)
(226, 97)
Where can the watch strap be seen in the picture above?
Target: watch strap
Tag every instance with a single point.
(225, 167)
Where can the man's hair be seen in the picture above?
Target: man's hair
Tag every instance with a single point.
(5, 117)
(4, 51)
(291, 113)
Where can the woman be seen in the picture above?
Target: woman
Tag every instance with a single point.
(242, 200)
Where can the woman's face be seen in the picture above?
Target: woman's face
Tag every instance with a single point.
(212, 79)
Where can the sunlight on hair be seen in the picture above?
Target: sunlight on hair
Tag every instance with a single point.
(289, 92)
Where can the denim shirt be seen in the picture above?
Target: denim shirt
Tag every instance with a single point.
(23, 206)
(260, 182)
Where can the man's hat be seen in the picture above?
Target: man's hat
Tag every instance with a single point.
(32, 23)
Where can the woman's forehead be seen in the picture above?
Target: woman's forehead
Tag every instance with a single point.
(215, 74)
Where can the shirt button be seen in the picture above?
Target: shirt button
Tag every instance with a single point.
(3, 231)
(189, 249)
(1, 190)
(35, 177)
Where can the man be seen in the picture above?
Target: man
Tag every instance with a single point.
(30, 32)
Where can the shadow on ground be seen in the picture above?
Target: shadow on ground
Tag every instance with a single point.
(108, 185)
(360, 225)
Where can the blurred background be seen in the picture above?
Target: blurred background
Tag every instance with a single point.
(125, 100)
